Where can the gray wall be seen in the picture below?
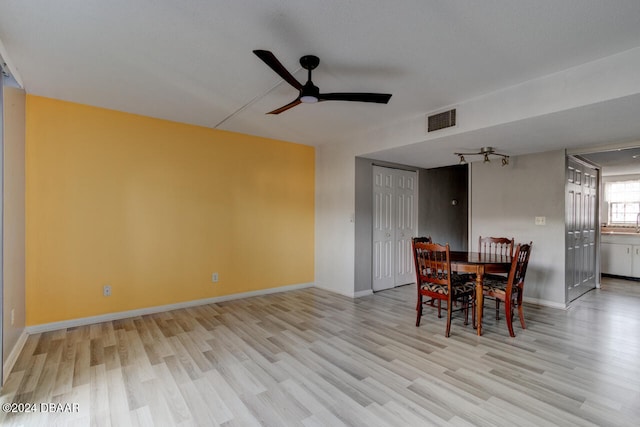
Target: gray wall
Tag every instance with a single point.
(436, 216)
(363, 225)
(14, 223)
(505, 202)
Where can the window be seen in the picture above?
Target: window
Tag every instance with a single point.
(623, 200)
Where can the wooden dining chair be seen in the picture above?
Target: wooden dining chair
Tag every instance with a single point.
(511, 291)
(434, 281)
(496, 246)
(423, 239)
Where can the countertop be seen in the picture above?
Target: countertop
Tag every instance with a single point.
(619, 230)
(622, 233)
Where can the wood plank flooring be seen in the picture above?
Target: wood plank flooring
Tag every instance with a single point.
(312, 358)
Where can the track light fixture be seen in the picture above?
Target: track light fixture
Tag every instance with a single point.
(485, 152)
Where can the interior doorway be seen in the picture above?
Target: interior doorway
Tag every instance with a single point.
(442, 213)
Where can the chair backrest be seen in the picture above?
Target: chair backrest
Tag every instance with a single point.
(495, 245)
(433, 263)
(519, 266)
(424, 239)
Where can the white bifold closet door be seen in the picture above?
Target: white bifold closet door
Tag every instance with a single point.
(395, 211)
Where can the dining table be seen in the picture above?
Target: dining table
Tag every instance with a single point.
(479, 263)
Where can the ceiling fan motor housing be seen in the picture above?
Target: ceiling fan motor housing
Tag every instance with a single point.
(309, 62)
(309, 92)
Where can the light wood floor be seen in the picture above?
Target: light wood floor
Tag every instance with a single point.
(313, 358)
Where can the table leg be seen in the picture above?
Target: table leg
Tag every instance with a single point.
(479, 297)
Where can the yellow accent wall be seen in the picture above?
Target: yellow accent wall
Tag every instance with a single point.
(153, 208)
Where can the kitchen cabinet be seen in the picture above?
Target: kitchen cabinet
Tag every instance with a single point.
(635, 261)
(617, 259)
(620, 254)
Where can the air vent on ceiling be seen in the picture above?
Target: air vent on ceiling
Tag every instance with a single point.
(442, 120)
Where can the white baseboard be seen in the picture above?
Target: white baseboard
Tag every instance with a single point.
(545, 303)
(46, 327)
(360, 294)
(7, 367)
(333, 291)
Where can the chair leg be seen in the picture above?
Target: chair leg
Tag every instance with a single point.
(439, 308)
(497, 309)
(521, 314)
(419, 309)
(508, 313)
(521, 311)
(473, 312)
(465, 303)
(449, 303)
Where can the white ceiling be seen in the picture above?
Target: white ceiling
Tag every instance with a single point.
(616, 161)
(191, 61)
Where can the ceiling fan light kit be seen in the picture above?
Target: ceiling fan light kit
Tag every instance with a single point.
(485, 152)
(310, 93)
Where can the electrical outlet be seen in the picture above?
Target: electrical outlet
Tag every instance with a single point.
(541, 220)
(214, 277)
(106, 290)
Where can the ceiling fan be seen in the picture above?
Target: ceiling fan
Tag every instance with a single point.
(309, 93)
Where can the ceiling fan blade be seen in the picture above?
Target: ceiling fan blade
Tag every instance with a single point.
(380, 98)
(270, 59)
(286, 107)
